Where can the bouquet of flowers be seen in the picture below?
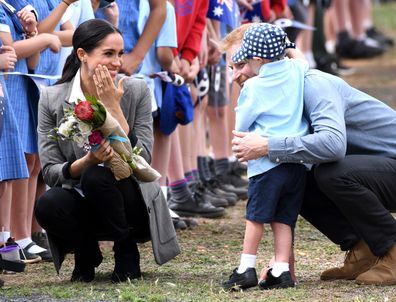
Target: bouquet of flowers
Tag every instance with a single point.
(88, 123)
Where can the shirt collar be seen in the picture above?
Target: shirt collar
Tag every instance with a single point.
(76, 91)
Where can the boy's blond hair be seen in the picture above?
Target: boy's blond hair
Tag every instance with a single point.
(234, 37)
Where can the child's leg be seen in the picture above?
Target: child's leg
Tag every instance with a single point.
(264, 271)
(253, 234)
(283, 243)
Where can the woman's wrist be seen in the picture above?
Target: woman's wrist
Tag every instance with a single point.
(65, 2)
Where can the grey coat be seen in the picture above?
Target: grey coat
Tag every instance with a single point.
(136, 106)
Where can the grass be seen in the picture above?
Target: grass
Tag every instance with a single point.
(211, 251)
(209, 254)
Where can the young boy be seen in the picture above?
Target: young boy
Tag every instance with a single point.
(270, 104)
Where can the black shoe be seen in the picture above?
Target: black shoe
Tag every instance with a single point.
(41, 240)
(328, 65)
(125, 268)
(216, 201)
(195, 205)
(283, 281)
(213, 186)
(44, 255)
(225, 185)
(236, 180)
(357, 49)
(382, 39)
(12, 265)
(83, 274)
(241, 281)
(238, 168)
(179, 224)
(86, 258)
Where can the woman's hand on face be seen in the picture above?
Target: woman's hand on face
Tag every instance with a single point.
(106, 89)
(104, 152)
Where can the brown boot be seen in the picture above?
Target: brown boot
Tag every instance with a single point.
(358, 260)
(382, 273)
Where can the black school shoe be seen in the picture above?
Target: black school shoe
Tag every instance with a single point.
(283, 281)
(241, 281)
(126, 267)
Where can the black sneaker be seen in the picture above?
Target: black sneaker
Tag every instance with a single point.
(241, 281)
(283, 281)
(195, 205)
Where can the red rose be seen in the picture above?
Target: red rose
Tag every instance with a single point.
(84, 111)
(95, 138)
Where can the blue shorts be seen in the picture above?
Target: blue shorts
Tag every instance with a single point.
(276, 195)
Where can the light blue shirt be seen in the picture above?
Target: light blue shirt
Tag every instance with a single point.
(79, 12)
(343, 119)
(167, 37)
(271, 105)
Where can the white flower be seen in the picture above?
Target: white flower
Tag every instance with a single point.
(64, 129)
(85, 128)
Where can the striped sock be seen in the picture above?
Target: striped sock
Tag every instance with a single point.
(189, 176)
(179, 190)
(221, 165)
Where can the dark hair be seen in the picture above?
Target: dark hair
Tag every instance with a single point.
(87, 36)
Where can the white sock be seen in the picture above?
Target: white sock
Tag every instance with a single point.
(35, 249)
(279, 267)
(246, 262)
(4, 236)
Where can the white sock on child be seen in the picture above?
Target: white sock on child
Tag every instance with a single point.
(35, 249)
(246, 262)
(4, 236)
(279, 267)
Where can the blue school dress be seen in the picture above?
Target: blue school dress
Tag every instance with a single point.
(12, 158)
(49, 61)
(18, 95)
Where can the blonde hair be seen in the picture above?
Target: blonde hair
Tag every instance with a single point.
(233, 37)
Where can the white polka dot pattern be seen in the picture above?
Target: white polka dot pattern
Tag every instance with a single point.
(262, 40)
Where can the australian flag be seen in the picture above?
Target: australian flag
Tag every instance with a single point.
(225, 11)
(260, 12)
